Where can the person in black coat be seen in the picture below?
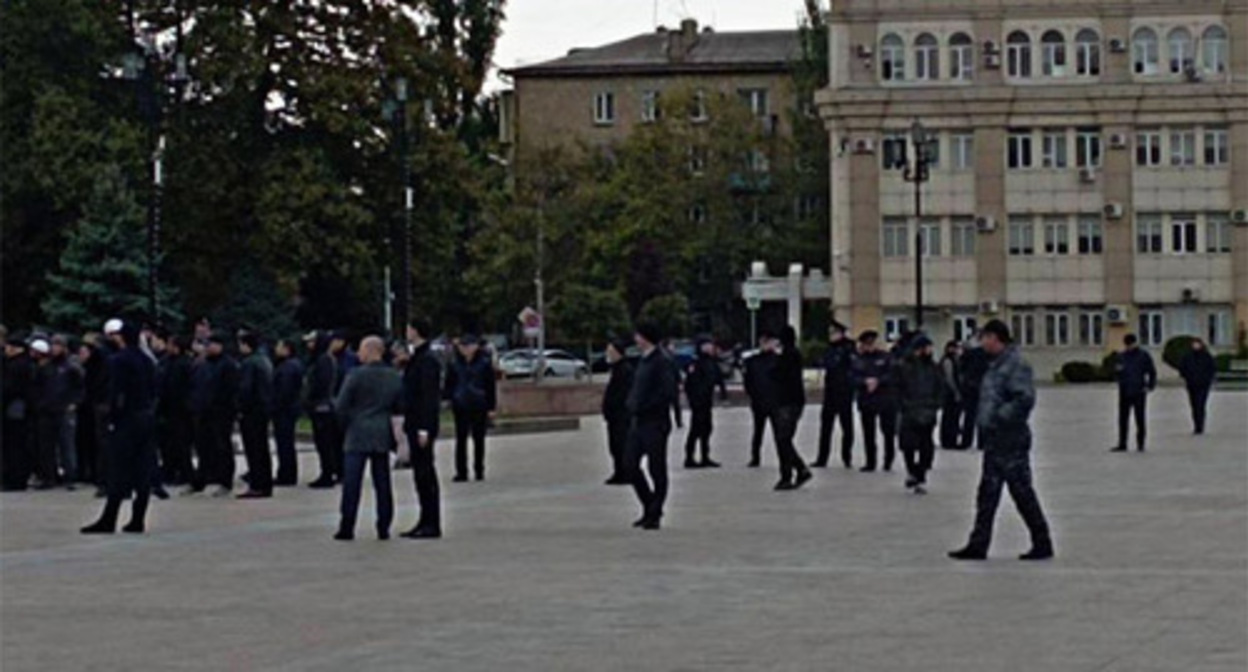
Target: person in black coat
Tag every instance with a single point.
(214, 381)
(60, 389)
(287, 387)
(951, 411)
(871, 376)
(132, 406)
(422, 410)
(838, 397)
(921, 391)
(15, 463)
(702, 376)
(760, 387)
(615, 409)
(471, 389)
(1199, 370)
(255, 408)
(92, 362)
(1137, 377)
(318, 399)
(790, 401)
(649, 403)
(173, 415)
(974, 366)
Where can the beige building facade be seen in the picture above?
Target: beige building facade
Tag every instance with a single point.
(1090, 175)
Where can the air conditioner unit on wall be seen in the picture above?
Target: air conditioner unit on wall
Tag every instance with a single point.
(986, 224)
(1190, 295)
(1113, 211)
(864, 146)
(1117, 45)
(1117, 141)
(989, 307)
(864, 51)
(1239, 216)
(1116, 314)
(1087, 175)
(992, 61)
(991, 47)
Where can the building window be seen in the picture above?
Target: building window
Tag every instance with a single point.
(1091, 237)
(1022, 236)
(929, 238)
(892, 58)
(893, 152)
(1148, 148)
(697, 108)
(697, 214)
(1148, 238)
(1056, 236)
(1152, 328)
(697, 159)
(1087, 53)
(1217, 147)
(896, 237)
(961, 57)
(1214, 49)
(1091, 329)
(962, 147)
(649, 106)
(1182, 54)
(926, 57)
(758, 162)
(1144, 51)
(756, 99)
(1018, 149)
(1088, 148)
(1018, 55)
(1217, 234)
(1053, 149)
(1183, 234)
(1219, 328)
(933, 150)
(1056, 329)
(807, 206)
(604, 108)
(1023, 328)
(1183, 147)
(895, 326)
(963, 237)
(1053, 54)
(964, 327)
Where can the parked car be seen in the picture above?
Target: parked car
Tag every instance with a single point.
(559, 364)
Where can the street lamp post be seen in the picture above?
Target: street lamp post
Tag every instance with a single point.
(395, 108)
(917, 173)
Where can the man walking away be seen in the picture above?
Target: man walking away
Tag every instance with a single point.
(15, 465)
(287, 386)
(701, 378)
(371, 394)
(838, 397)
(1199, 370)
(422, 407)
(922, 388)
(615, 409)
(650, 403)
(974, 368)
(951, 409)
(760, 386)
(790, 401)
(173, 416)
(318, 399)
(1007, 398)
(471, 387)
(255, 407)
(871, 370)
(1137, 377)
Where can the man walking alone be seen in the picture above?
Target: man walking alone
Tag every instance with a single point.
(650, 402)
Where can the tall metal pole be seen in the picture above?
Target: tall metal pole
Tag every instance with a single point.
(918, 173)
(405, 278)
(540, 371)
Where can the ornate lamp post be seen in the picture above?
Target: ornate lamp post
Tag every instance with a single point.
(917, 173)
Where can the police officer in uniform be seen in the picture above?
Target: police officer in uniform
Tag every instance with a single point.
(702, 376)
(871, 372)
(838, 397)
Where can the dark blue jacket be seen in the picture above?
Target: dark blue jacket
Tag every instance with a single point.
(132, 386)
(702, 376)
(838, 372)
(790, 385)
(287, 386)
(654, 388)
(470, 385)
(1199, 369)
(214, 381)
(255, 386)
(615, 398)
(876, 364)
(173, 380)
(760, 381)
(1136, 373)
(422, 399)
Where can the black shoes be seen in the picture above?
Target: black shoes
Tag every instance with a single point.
(690, 463)
(159, 492)
(343, 535)
(1118, 449)
(460, 479)
(753, 464)
(322, 483)
(254, 494)
(100, 527)
(968, 553)
(1038, 553)
(422, 533)
(383, 535)
(618, 480)
(820, 464)
(708, 463)
(134, 527)
(802, 479)
(651, 524)
(867, 469)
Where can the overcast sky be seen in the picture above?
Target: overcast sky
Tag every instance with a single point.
(539, 30)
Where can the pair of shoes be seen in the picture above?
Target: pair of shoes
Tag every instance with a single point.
(1140, 449)
(343, 535)
(322, 483)
(911, 482)
(254, 494)
(460, 479)
(99, 527)
(848, 464)
(919, 489)
(867, 469)
(753, 464)
(821, 464)
(221, 491)
(651, 524)
(419, 532)
(802, 479)
(617, 480)
(134, 527)
(383, 535)
(480, 476)
(690, 463)
(968, 553)
(708, 463)
(1038, 553)
(784, 486)
(1118, 449)
(159, 492)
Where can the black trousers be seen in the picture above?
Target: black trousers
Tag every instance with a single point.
(918, 449)
(617, 445)
(352, 486)
(328, 448)
(1010, 469)
(1198, 397)
(648, 439)
(254, 428)
(87, 444)
(784, 427)
(425, 477)
(760, 417)
(701, 424)
(15, 462)
(470, 424)
(47, 440)
(836, 409)
(889, 419)
(101, 444)
(970, 415)
(951, 423)
(1129, 405)
(174, 436)
(214, 449)
(284, 423)
(131, 450)
(886, 419)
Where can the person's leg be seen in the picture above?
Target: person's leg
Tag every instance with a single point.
(970, 415)
(101, 444)
(202, 447)
(827, 420)
(991, 481)
(869, 420)
(635, 451)
(67, 442)
(927, 452)
(287, 458)
(1140, 406)
(888, 422)
(462, 430)
(141, 474)
(1202, 406)
(1124, 414)
(691, 439)
(779, 430)
(910, 453)
(950, 421)
(384, 490)
(259, 459)
(756, 441)
(46, 436)
(1018, 477)
(425, 475)
(656, 464)
(225, 439)
(323, 439)
(480, 423)
(617, 440)
(845, 413)
(707, 431)
(352, 479)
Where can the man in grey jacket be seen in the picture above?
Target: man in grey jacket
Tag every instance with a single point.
(1006, 400)
(371, 394)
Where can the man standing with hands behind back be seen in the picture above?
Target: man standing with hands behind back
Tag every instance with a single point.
(421, 408)
(1136, 378)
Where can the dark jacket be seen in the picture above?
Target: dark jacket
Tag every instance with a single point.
(422, 398)
(255, 385)
(470, 385)
(702, 376)
(790, 387)
(19, 374)
(1006, 399)
(876, 364)
(95, 376)
(345, 362)
(973, 367)
(921, 390)
(951, 369)
(173, 376)
(132, 386)
(60, 385)
(654, 388)
(318, 385)
(214, 381)
(838, 372)
(288, 386)
(760, 381)
(369, 397)
(1199, 369)
(615, 398)
(1136, 373)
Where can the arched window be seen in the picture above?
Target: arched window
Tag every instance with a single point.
(892, 58)
(1018, 54)
(1053, 61)
(1182, 54)
(961, 57)
(1144, 51)
(1087, 53)
(926, 57)
(1213, 49)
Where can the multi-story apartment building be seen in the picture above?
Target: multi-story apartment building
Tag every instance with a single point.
(1089, 177)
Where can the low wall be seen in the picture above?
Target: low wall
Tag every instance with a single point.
(526, 400)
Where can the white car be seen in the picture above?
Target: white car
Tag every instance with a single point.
(559, 364)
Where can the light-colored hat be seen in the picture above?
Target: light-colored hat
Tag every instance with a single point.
(40, 346)
(113, 326)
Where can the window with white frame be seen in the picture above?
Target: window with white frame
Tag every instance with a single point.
(1022, 236)
(926, 57)
(1087, 53)
(697, 107)
(1053, 149)
(929, 237)
(1018, 55)
(961, 57)
(1056, 329)
(758, 161)
(1053, 54)
(1218, 233)
(1182, 51)
(1023, 328)
(964, 327)
(1088, 148)
(933, 150)
(1018, 149)
(649, 106)
(962, 151)
(1056, 235)
(892, 58)
(1218, 331)
(895, 326)
(1148, 236)
(807, 206)
(1145, 51)
(896, 237)
(604, 108)
(1183, 147)
(963, 233)
(1217, 147)
(1091, 235)
(1092, 329)
(1183, 234)
(893, 151)
(1148, 148)
(697, 159)
(756, 100)
(697, 214)
(1213, 47)
(1152, 328)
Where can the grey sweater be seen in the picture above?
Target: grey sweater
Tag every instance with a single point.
(368, 399)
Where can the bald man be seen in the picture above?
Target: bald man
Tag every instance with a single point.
(370, 396)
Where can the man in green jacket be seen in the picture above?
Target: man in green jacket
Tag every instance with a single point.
(370, 396)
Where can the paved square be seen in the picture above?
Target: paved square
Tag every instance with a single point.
(541, 571)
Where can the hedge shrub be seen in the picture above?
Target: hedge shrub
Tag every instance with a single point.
(1176, 349)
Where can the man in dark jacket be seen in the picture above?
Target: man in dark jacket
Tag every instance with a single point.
(615, 409)
(790, 401)
(471, 388)
(760, 386)
(838, 397)
(1199, 370)
(921, 388)
(702, 376)
(287, 387)
(15, 462)
(255, 408)
(974, 368)
(214, 382)
(871, 374)
(1008, 395)
(59, 382)
(649, 403)
(951, 410)
(370, 396)
(1136, 378)
(173, 416)
(422, 409)
(318, 400)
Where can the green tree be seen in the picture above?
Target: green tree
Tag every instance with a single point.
(670, 312)
(256, 301)
(586, 314)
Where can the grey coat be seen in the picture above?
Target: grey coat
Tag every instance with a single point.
(368, 399)
(1006, 398)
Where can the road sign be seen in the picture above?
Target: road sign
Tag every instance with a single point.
(532, 322)
(753, 302)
